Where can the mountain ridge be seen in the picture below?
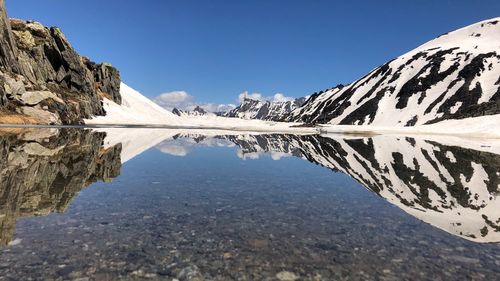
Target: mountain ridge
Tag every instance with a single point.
(265, 110)
(454, 76)
(197, 111)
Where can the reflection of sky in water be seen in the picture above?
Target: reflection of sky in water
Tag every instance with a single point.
(184, 146)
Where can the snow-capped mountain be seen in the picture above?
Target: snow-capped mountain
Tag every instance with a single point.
(448, 186)
(197, 111)
(454, 76)
(265, 110)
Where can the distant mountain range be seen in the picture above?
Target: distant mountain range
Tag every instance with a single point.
(265, 110)
(197, 111)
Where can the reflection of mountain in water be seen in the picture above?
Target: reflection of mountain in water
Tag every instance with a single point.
(442, 183)
(42, 170)
(453, 188)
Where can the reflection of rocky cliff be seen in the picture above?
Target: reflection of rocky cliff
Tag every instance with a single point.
(42, 170)
(450, 187)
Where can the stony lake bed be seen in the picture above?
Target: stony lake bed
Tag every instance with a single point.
(78, 204)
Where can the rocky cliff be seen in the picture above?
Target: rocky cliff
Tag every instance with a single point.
(43, 170)
(44, 80)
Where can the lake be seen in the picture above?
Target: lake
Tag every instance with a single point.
(160, 204)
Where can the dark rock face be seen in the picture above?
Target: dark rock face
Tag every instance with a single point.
(8, 49)
(200, 110)
(107, 79)
(35, 58)
(177, 112)
(42, 171)
(47, 57)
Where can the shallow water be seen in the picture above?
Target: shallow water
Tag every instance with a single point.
(165, 205)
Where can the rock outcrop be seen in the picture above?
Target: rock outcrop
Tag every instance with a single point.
(40, 61)
(43, 169)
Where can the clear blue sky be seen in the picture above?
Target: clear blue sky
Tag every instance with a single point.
(216, 49)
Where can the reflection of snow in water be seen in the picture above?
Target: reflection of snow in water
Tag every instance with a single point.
(414, 174)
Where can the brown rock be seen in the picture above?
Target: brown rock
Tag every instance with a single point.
(47, 62)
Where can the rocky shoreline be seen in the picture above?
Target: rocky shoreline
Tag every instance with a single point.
(43, 80)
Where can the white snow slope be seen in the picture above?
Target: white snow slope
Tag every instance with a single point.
(476, 127)
(135, 109)
(454, 76)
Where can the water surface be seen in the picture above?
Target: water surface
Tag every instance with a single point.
(165, 204)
